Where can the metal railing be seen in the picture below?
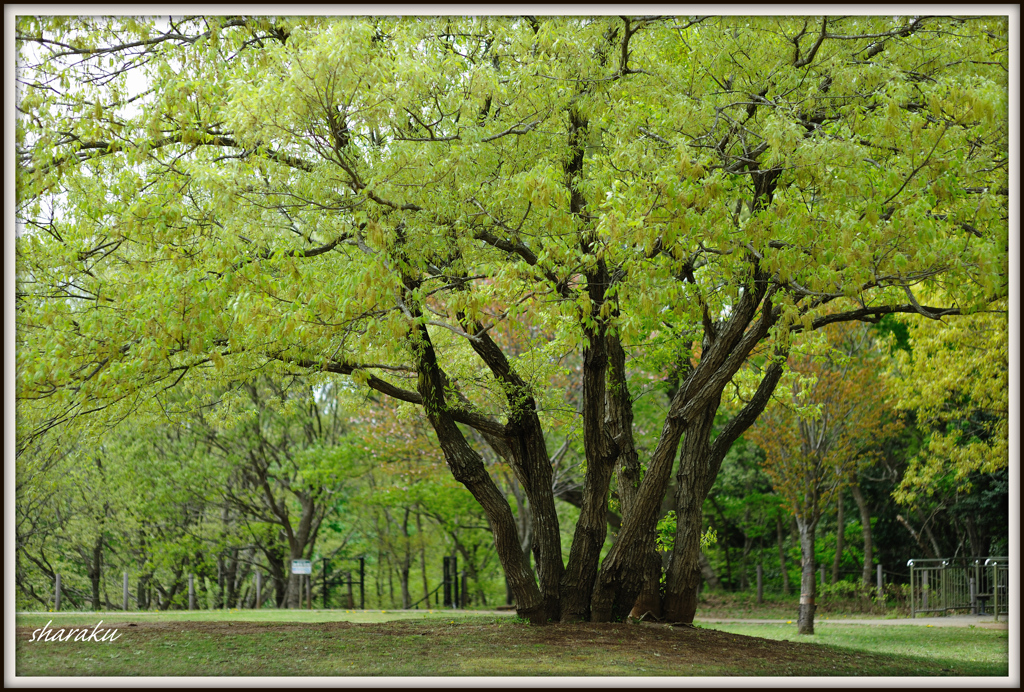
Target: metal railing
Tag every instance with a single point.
(949, 585)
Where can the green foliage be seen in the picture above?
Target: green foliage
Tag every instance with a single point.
(305, 158)
(667, 534)
(957, 382)
(894, 331)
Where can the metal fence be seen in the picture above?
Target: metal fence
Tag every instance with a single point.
(952, 585)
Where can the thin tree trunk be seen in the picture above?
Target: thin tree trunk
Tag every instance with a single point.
(972, 536)
(526, 450)
(423, 558)
(708, 572)
(391, 583)
(406, 562)
(931, 538)
(917, 537)
(865, 529)
(808, 584)
(748, 545)
(779, 535)
(96, 572)
(840, 536)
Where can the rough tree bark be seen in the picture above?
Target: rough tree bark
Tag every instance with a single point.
(467, 467)
(697, 473)
(602, 452)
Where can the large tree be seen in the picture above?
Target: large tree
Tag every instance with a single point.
(386, 199)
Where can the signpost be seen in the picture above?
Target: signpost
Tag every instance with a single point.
(304, 567)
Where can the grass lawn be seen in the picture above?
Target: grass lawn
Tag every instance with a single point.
(268, 615)
(445, 643)
(970, 651)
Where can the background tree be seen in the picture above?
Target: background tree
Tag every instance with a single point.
(372, 197)
(817, 440)
(955, 376)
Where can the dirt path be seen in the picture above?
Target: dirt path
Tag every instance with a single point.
(984, 621)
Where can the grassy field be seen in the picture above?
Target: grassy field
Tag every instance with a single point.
(777, 606)
(447, 643)
(968, 651)
(269, 615)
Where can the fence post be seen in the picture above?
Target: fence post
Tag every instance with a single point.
(924, 589)
(56, 593)
(972, 590)
(878, 578)
(125, 606)
(913, 601)
(259, 589)
(760, 584)
(191, 592)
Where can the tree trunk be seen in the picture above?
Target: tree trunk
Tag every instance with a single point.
(621, 577)
(840, 536)
(601, 451)
(470, 566)
(917, 537)
(405, 565)
(524, 522)
(524, 447)
(96, 572)
(547, 538)
(972, 537)
(748, 545)
(699, 464)
(931, 538)
(467, 467)
(423, 558)
(278, 574)
(779, 536)
(649, 602)
(805, 616)
(865, 528)
(692, 486)
(708, 572)
(293, 597)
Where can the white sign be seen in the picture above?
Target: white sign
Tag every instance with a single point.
(302, 567)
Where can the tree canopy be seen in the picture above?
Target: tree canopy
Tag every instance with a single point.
(678, 199)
